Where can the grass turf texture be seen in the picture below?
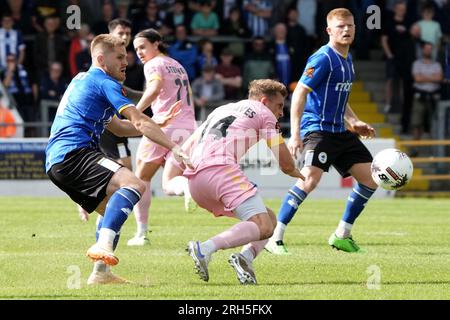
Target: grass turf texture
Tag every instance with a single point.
(43, 245)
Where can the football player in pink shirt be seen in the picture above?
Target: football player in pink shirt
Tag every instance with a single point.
(217, 183)
(166, 83)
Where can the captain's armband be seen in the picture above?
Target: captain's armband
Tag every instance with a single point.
(275, 141)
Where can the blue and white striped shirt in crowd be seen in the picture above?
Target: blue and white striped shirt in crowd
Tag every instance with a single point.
(283, 63)
(258, 26)
(20, 83)
(11, 42)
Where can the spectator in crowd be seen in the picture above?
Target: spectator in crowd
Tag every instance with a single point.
(11, 41)
(135, 75)
(101, 26)
(207, 90)
(149, 20)
(427, 74)
(53, 84)
(229, 75)
(206, 56)
(235, 26)
(398, 47)
(42, 10)
(196, 5)
(412, 9)
(442, 12)
(430, 30)
(7, 121)
(258, 64)
(205, 23)
(83, 58)
(258, 14)
(279, 10)
(184, 51)
(307, 12)
(446, 81)
(136, 9)
(164, 7)
(223, 8)
(49, 46)
(364, 35)
(16, 81)
(122, 9)
(282, 54)
(179, 15)
(79, 43)
(21, 12)
(298, 40)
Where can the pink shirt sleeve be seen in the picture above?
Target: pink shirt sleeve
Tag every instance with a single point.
(152, 71)
(269, 128)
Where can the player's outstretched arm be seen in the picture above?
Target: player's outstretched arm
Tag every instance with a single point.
(149, 95)
(284, 158)
(151, 130)
(122, 128)
(359, 127)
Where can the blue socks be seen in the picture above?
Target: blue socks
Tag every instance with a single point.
(293, 199)
(117, 211)
(97, 233)
(356, 202)
(119, 207)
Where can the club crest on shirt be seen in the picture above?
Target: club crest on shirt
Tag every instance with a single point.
(309, 72)
(323, 157)
(124, 92)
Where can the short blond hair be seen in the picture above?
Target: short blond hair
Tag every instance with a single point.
(106, 43)
(266, 87)
(338, 13)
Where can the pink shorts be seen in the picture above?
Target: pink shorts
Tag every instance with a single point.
(149, 151)
(220, 189)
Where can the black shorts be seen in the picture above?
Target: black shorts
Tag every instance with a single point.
(113, 146)
(84, 175)
(341, 150)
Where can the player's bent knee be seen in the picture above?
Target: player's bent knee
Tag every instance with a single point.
(272, 217)
(136, 184)
(265, 224)
(141, 187)
(266, 229)
(310, 184)
(369, 183)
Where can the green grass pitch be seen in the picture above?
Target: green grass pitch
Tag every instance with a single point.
(43, 245)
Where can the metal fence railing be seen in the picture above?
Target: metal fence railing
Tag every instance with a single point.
(47, 110)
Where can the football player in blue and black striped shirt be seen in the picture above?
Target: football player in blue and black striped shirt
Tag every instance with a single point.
(326, 130)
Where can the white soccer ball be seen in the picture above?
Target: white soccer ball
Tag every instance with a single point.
(391, 169)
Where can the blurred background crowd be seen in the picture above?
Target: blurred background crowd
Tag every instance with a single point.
(224, 44)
